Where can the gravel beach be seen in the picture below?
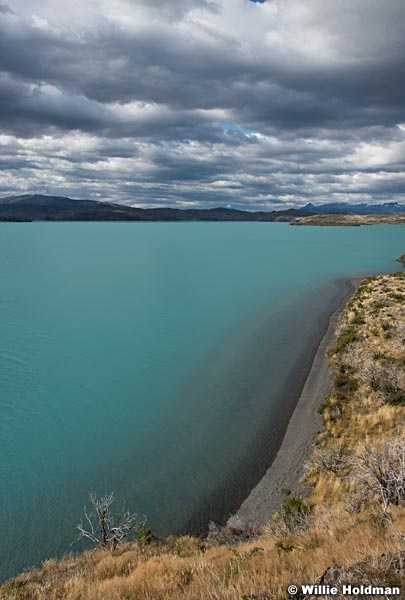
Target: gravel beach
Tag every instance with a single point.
(287, 468)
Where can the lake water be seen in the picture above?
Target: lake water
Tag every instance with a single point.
(157, 360)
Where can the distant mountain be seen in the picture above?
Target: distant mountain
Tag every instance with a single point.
(58, 208)
(38, 207)
(388, 208)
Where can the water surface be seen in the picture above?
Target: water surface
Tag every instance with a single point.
(157, 360)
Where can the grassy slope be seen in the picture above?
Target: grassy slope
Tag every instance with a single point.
(364, 408)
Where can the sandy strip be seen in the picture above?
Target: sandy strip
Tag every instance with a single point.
(297, 445)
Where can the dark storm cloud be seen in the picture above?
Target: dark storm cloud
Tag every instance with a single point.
(156, 64)
(27, 109)
(4, 8)
(134, 98)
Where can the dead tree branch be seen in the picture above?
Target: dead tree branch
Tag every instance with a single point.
(104, 528)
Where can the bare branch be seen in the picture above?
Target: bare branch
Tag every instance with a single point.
(105, 528)
(333, 459)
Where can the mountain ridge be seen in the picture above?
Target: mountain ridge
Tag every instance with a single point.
(37, 207)
(40, 207)
(387, 208)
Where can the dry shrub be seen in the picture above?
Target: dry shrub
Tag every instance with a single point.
(333, 459)
(380, 472)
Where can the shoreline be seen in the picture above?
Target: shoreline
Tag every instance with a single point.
(296, 447)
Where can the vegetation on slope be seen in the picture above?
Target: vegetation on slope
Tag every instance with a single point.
(354, 516)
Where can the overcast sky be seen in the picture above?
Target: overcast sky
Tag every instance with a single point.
(255, 105)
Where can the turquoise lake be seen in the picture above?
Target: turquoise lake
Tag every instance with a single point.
(158, 360)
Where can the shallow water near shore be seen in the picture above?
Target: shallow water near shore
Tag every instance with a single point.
(161, 361)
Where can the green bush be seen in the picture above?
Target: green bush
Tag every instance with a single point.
(293, 514)
(348, 336)
(345, 384)
(358, 319)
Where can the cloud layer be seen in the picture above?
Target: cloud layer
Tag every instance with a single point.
(204, 102)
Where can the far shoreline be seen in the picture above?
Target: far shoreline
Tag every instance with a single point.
(296, 447)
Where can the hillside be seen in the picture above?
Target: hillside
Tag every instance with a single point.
(57, 208)
(353, 518)
(353, 220)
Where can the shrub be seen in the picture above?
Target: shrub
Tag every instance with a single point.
(145, 535)
(378, 305)
(348, 336)
(344, 382)
(381, 473)
(292, 516)
(389, 379)
(331, 460)
(358, 319)
(284, 546)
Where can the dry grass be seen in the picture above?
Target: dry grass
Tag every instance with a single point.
(370, 342)
(359, 411)
(219, 572)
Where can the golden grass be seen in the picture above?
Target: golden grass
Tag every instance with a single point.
(187, 568)
(219, 572)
